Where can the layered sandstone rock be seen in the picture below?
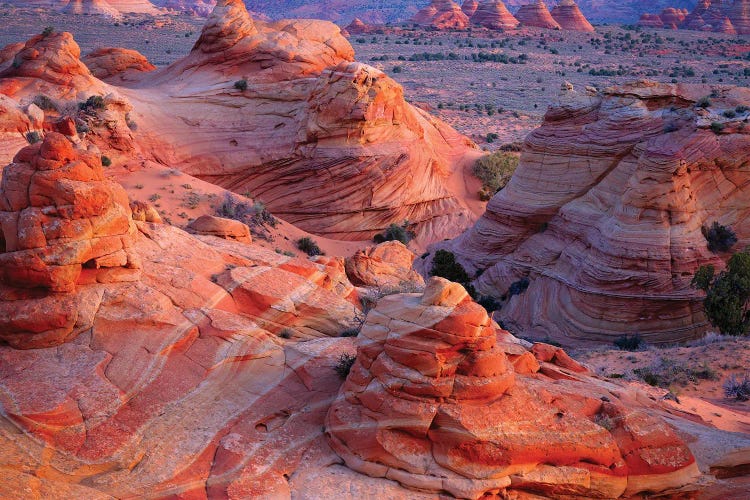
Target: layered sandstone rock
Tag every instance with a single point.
(695, 19)
(91, 8)
(603, 216)
(569, 17)
(387, 265)
(469, 7)
(672, 17)
(357, 27)
(442, 14)
(651, 21)
(494, 14)
(739, 15)
(308, 108)
(536, 14)
(440, 399)
(222, 228)
(108, 63)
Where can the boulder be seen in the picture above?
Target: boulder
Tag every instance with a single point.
(228, 229)
(387, 265)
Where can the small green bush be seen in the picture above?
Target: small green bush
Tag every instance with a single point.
(106, 162)
(33, 137)
(309, 246)
(92, 103)
(48, 31)
(717, 127)
(286, 333)
(43, 102)
(629, 343)
(495, 170)
(518, 287)
(395, 233)
(241, 85)
(737, 388)
(727, 302)
(344, 366)
(349, 332)
(703, 102)
(719, 238)
(444, 265)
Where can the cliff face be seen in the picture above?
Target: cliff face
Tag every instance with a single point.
(603, 216)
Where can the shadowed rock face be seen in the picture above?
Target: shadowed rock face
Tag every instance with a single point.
(440, 399)
(469, 7)
(604, 214)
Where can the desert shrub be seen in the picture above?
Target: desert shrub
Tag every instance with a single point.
(717, 127)
(48, 31)
(94, 102)
(234, 208)
(349, 332)
(489, 303)
(727, 295)
(82, 127)
(670, 127)
(33, 137)
(737, 388)
(668, 372)
(495, 170)
(132, 125)
(741, 109)
(730, 113)
(491, 137)
(309, 246)
(395, 232)
(45, 103)
(241, 85)
(106, 161)
(629, 343)
(398, 69)
(720, 238)
(286, 333)
(344, 365)
(703, 102)
(444, 265)
(191, 200)
(518, 287)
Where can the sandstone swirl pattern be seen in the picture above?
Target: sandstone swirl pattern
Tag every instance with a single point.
(604, 213)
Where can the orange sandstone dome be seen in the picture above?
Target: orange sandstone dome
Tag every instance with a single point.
(536, 14)
(494, 14)
(442, 14)
(569, 16)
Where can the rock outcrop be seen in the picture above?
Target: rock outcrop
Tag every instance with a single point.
(739, 15)
(222, 228)
(651, 21)
(110, 63)
(91, 8)
(442, 14)
(469, 7)
(536, 14)
(387, 265)
(440, 399)
(494, 14)
(708, 15)
(357, 27)
(615, 250)
(569, 17)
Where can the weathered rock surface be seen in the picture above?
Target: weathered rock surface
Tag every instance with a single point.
(107, 63)
(469, 7)
(442, 14)
(357, 27)
(91, 8)
(569, 16)
(604, 214)
(223, 228)
(441, 399)
(536, 14)
(494, 14)
(651, 21)
(387, 265)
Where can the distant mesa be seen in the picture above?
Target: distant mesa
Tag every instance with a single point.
(537, 15)
(708, 15)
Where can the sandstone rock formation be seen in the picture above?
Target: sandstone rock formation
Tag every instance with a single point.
(106, 63)
(469, 7)
(569, 16)
(441, 400)
(615, 250)
(308, 108)
(739, 15)
(222, 228)
(357, 27)
(672, 17)
(442, 14)
(494, 14)
(711, 15)
(651, 21)
(91, 8)
(387, 265)
(536, 14)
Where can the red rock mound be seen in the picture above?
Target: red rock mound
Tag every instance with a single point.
(494, 14)
(108, 63)
(357, 27)
(469, 7)
(651, 21)
(91, 8)
(440, 399)
(739, 15)
(598, 270)
(442, 14)
(387, 265)
(569, 17)
(536, 14)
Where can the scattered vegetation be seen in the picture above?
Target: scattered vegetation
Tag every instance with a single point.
(344, 365)
(727, 294)
(93, 103)
(494, 170)
(254, 215)
(518, 287)
(665, 373)
(309, 246)
(720, 238)
(629, 343)
(33, 137)
(47, 31)
(717, 127)
(106, 161)
(241, 85)
(286, 333)
(737, 388)
(703, 102)
(44, 103)
(395, 232)
(349, 332)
